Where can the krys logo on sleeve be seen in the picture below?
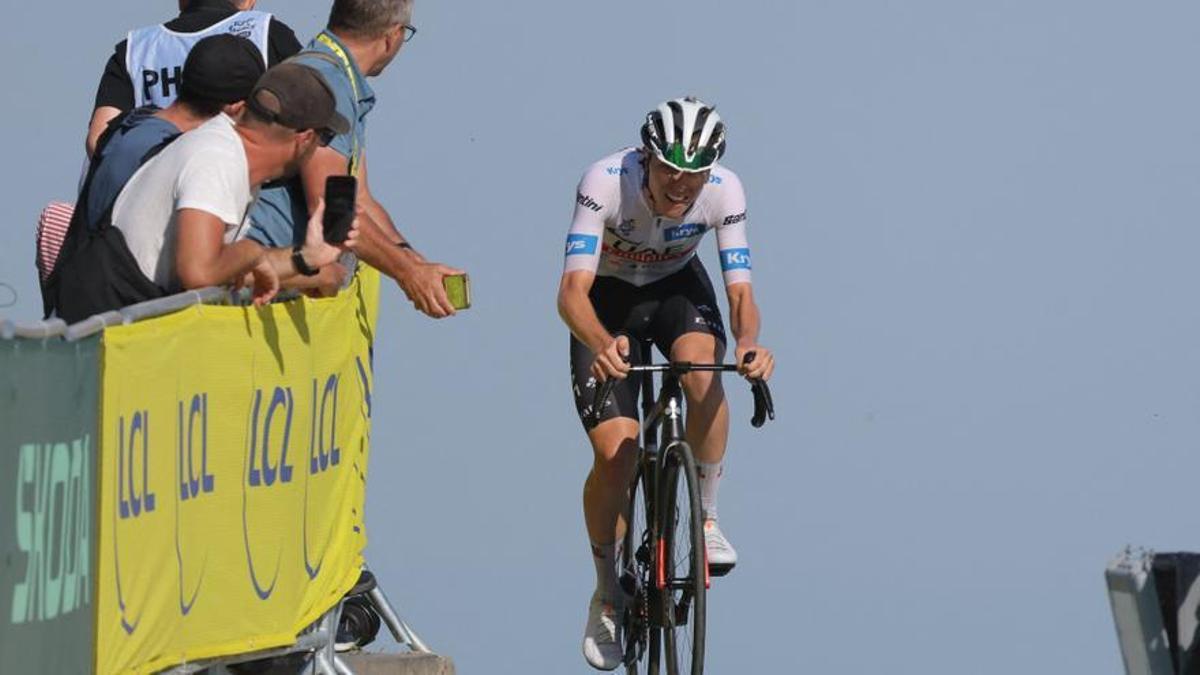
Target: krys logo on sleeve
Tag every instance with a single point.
(582, 244)
(735, 259)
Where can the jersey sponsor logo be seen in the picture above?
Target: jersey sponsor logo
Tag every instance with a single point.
(714, 179)
(587, 202)
(735, 259)
(647, 255)
(626, 227)
(735, 218)
(581, 244)
(683, 231)
(616, 171)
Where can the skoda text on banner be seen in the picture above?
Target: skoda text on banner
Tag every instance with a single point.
(48, 404)
(233, 476)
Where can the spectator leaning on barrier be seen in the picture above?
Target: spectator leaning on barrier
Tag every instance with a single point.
(179, 222)
(218, 75)
(146, 67)
(362, 38)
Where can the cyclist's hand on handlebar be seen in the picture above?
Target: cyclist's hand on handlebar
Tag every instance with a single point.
(760, 367)
(613, 360)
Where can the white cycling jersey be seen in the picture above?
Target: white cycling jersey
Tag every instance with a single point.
(616, 234)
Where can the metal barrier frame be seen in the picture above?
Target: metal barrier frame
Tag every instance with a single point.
(318, 639)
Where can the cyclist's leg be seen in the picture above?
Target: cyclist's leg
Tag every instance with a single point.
(688, 327)
(707, 411)
(614, 456)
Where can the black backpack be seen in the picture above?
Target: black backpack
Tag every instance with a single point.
(95, 271)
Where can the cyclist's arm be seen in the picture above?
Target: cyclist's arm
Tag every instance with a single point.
(595, 203)
(734, 247)
(576, 310)
(596, 200)
(744, 318)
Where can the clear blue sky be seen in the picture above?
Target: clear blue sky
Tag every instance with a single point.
(974, 239)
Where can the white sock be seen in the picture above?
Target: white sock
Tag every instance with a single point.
(710, 478)
(604, 556)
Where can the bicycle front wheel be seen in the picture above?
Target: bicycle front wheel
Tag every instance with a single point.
(682, 566)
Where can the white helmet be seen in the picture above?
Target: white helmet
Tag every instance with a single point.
(685, 133)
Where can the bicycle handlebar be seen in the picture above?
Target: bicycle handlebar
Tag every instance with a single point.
(764, 405)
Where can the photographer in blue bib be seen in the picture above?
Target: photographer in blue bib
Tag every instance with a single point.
(360, 41)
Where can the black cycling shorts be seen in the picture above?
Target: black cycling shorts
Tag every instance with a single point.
(658, 313)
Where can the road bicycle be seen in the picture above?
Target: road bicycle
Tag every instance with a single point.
(664, 568)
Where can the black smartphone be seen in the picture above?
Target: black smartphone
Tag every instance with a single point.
(340, 192)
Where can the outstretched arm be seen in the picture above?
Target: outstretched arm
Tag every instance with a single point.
(203, 259)
(379, 242)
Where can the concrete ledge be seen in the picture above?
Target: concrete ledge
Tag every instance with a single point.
(399, 664)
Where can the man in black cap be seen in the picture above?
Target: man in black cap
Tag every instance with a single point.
(146, 67)
(180, 221)
(217, 77)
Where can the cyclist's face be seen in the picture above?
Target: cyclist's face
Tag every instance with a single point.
(672, 191)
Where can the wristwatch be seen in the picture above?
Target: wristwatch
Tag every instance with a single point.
(301, 266)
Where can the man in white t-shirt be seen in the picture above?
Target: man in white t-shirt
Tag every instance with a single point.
(183, 214)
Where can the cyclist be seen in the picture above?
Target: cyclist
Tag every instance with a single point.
(631, 273)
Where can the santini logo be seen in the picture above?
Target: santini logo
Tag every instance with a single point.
(581, 244)
(735, 219)
(587, 202)
(735, 259)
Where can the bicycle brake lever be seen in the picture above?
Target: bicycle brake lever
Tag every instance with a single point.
(764, 406)
(603, 390)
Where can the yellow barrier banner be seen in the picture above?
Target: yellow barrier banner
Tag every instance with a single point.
(233, 463)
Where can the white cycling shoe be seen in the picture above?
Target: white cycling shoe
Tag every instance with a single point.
(721, 556)
(602, 635)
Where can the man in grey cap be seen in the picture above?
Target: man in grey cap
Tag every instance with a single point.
(180, 221)
(361, 39)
